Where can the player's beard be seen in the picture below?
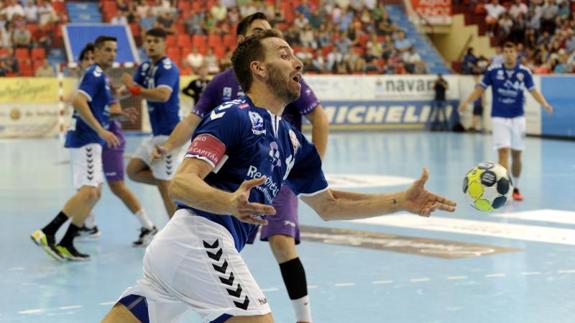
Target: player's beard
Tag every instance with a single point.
(281, 86)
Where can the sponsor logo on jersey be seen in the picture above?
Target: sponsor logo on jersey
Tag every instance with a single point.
(269, 188)
(227, 93)
(274, 155)
(257, 122)
(294, 141)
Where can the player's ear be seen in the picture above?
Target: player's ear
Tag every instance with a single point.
(258, 69)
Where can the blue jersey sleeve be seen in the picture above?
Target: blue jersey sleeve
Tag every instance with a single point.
(528, 79)
(209, 99)
(139, 74)
(226, 123)
(168, 76)
(306, 176)
(92, 82)
(486, 80)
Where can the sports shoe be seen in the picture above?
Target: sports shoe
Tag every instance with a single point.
(89, 233)
(146, 236)
(517, 195)
(71, 253)
(46, 243)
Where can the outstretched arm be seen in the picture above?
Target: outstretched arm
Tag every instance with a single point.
(341, 205)
(188, 186)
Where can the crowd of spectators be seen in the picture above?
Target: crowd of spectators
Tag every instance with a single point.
(330, 36)
(544, 31)
(27, 32)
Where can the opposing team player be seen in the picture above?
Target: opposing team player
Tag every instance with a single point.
(508, 82)
(240, 157)
(282, 230)
(158, 81)
(93, 103)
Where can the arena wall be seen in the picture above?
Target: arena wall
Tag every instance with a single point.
(30, 107)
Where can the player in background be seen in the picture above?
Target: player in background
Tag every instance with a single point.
(93, 104)
(158, 81)
(232, 171)
(197, 86)
(508, 82)
(113, 166)
(282, 230)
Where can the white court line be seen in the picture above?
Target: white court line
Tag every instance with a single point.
(16, 269)
(481, 228)
(419, 280)
(457, 277)
(312, 286)
(32, 311)
(545, 215)
(69, 307)
(495, 275)
(344, 284)
(377, 282)
(566, 271)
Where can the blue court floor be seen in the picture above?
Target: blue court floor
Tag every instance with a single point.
(517, 265)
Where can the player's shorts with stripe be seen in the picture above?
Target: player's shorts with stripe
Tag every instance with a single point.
(192, 264)
(86, 164)
(164, 168)
(509, 132)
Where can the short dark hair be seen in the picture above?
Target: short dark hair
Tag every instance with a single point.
(157, 32)
(88, 48)
(251, 49)
(509, 44)
(247, 21)
(99, 42)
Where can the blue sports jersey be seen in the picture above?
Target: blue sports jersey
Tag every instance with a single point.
(95, 85)
(508, 87)
(225, 87)
(163, 115)
(243, 142)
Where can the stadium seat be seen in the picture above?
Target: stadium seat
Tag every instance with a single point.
(38, 53)
(22, 53)
(25, 68)
(214, 40)
(230, 40)
(184, 40)
(171, 41)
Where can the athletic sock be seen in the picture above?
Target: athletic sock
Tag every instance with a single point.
(52, 227)
(144, 220)
(516, 182)
(90, 221)
(295, 281)
(68, 239)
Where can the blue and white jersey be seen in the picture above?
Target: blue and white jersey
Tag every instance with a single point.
(163, 115)
(243, 142)
(95, 85)
(508, 87)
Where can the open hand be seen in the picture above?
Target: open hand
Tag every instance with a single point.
(420, 201)
(245, 210)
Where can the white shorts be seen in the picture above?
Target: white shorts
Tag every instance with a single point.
(193, 264)
(508, 132)
(86, 164)
(164, 168)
